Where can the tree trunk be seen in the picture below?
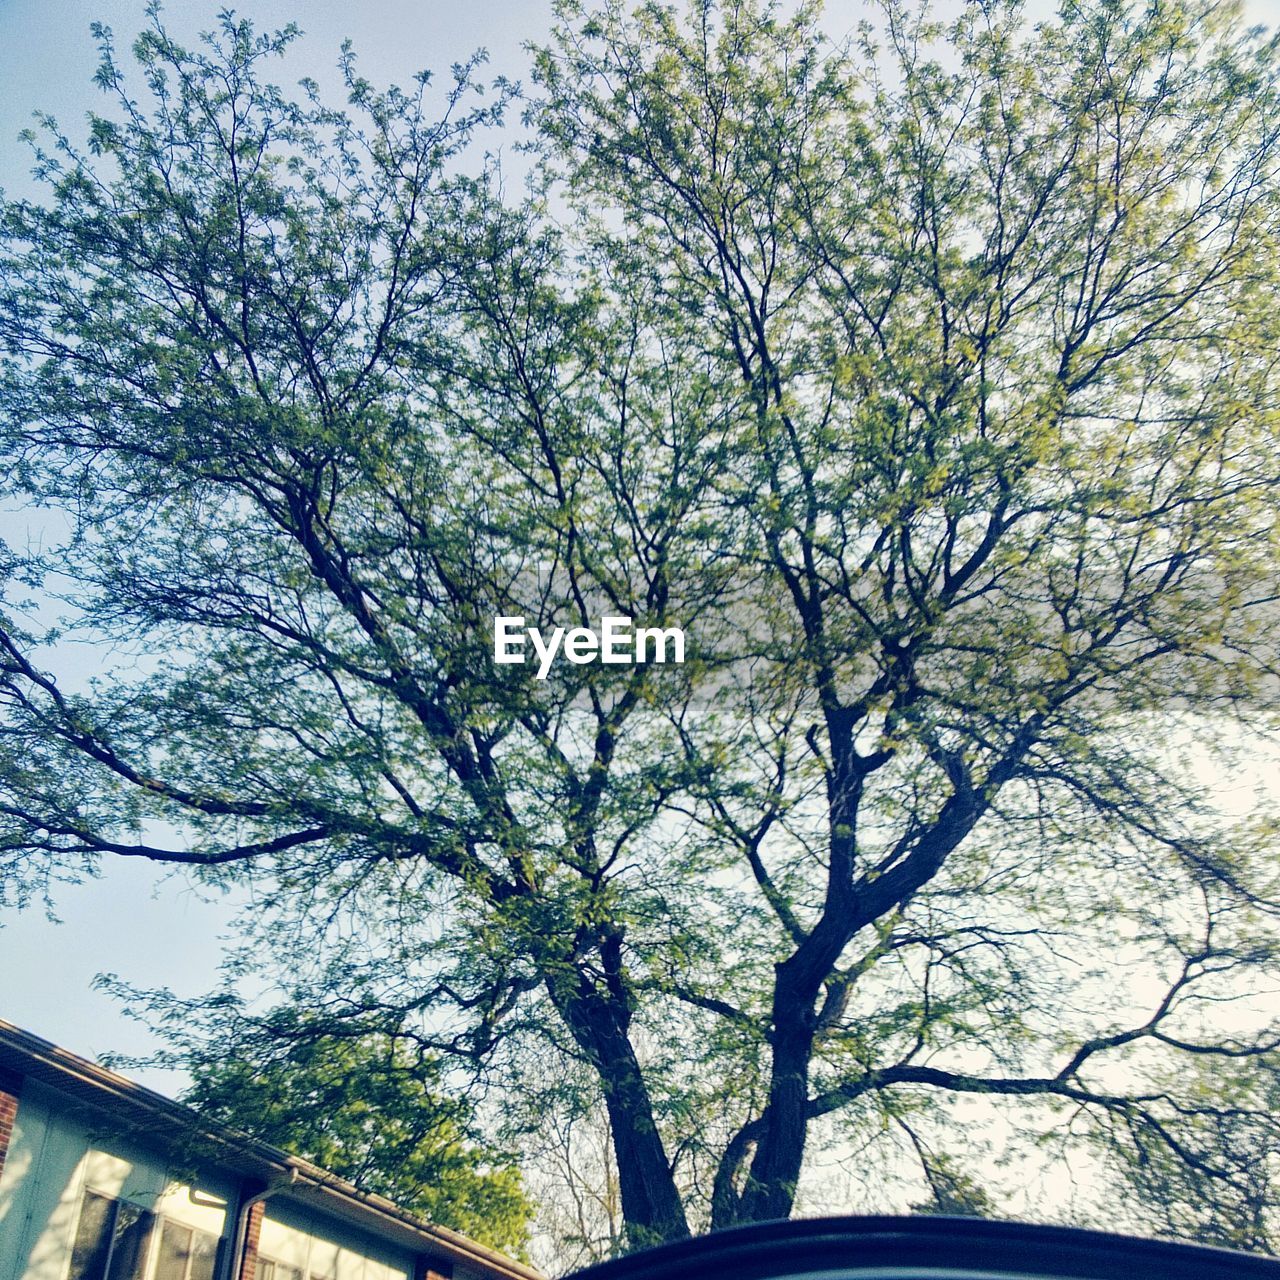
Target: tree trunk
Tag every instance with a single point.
(775, 1170)
(599, 1022)
(770, 1190)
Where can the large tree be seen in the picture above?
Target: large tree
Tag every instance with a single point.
(929, 382)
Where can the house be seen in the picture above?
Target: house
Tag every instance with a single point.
(102, 1179)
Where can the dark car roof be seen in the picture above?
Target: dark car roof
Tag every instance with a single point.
(933, 1248)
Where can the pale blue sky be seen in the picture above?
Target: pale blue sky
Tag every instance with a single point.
(135, 921)
(130, 922)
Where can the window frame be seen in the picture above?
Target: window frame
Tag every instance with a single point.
(162, 1221)
(293, 1273)
(115, 1203)
(145, 1267)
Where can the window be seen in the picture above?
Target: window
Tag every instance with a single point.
(268, 1269)
(185, 1254)
(322, 1260)
(111, 1240)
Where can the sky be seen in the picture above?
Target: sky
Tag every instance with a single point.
(142, 923)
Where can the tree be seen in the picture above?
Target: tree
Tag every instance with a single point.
(930, 385)
(575, 1182)
(1227, 1147)
(367, 1110)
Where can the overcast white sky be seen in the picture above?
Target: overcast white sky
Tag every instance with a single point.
(148, 929)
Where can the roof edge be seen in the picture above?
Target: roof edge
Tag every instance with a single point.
(58, 1062)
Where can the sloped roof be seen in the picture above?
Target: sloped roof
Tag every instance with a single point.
(151, 1116)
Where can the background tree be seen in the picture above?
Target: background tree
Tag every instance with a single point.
(931, 385)
(1226, 1147)
(574, 1177)
(367, 1110)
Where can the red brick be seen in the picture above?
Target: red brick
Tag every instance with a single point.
(253, 1231)
(10, 1089)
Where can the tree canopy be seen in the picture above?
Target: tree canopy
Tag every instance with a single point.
(930, 382)
(365, 1109)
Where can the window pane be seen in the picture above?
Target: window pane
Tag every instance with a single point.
(324, 1260)
(129, 1253)
(174, 1252)
(204, 1255)
(93, 1238)
(271, 1270)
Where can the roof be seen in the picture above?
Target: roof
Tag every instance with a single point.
(152, 1115)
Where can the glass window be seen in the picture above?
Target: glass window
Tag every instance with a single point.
(185, 1254)
(129, 1242)
(269, 1269)
(204, 1256)
(92, 1248)
(172, 1256)
(111, 1240)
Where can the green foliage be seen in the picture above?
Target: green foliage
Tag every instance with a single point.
(370, 1110)
(953, 1192)
(930, 383)
(1212, 1176)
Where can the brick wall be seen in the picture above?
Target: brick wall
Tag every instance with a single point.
(10, 1090)
(253, 1232)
